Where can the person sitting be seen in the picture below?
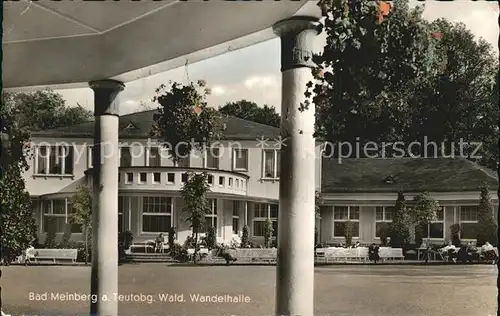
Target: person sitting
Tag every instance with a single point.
(462, 255)
(373, 253)
(450, 252)
(357, 244)
(159, 243)
(488, 252)
(28, 254)
(472, 252)
(426, 251)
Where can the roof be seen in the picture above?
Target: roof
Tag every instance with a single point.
(139, 125)
(371, 175)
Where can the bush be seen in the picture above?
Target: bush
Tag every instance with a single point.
(80, 246)
(125, 238)
(50, 239)
(245, 237)
(455, 235)
(189, 243)
(211, 238)
(178, 252)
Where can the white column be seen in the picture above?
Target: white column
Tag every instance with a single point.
(295, 268)
(246, 213)
(104, 275)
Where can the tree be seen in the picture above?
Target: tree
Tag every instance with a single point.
(171, 238)
(81, 214)
(318, 200)
(422, 213)
(194, 193)
(384, 232)
(455, 235)
(403, 79)
(268, 232)
(66, 237)
(17, 217)
(250, 111)
(184, 121)
(399, 231)
(44, 109)
(348, 233)
(487, 229)
(369, 69)
(460, 103)
(17, 222)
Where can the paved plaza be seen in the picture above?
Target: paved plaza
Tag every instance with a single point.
(340, 290)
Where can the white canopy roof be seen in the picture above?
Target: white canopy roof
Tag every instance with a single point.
(65, 44)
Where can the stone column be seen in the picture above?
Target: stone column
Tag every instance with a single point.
(295, 268)
(104, 276)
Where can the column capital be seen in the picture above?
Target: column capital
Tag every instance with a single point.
(105, 96)
(107, 84)
(297, 40)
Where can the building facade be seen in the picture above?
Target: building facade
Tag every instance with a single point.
(244, 174)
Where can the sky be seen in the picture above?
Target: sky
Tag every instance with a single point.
(253, 73)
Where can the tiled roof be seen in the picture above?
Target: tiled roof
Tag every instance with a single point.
(139, 124)
(366, 175)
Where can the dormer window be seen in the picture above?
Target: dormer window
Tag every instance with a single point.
(130, 126)
(389, 180)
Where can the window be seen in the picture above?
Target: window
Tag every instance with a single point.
(54, 215)
(125, 157)
(236, 217)
(212, 158)
(143, 177)
(468, 222)
(156, 177)
(271, 164)
(55, 160)
(262, 212)
(240, 159)
(154, 159)
(436, 228)
(90, 155)
(383, 214)
(342, 214)
(170, 177)
(221, 181)
(129, 178)
(121, 210)
(211, 218)
(156, 214)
